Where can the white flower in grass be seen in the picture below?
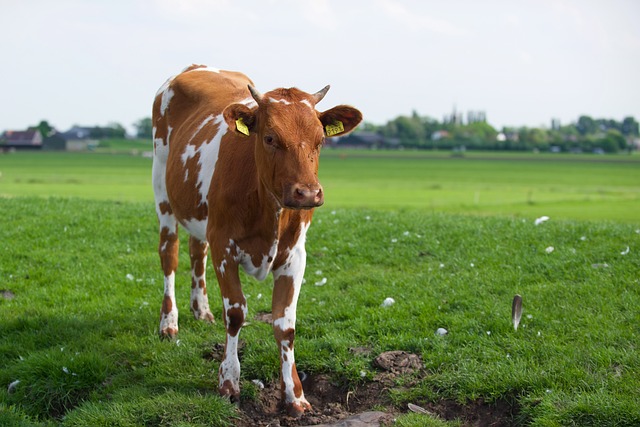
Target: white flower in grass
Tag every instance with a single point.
(549, 249)
(129, 276)
(319, 272)
(388, 302)
(583, 238)
(406, 233)
(625, 252)
(540, 220)
(488, 332)
(321, 282)
(258, 383)
(12, 386)
(65, 370)
(441, 332)
(394, 240)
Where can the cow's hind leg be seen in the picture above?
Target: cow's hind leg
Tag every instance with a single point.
(168, 250)
(199, 300)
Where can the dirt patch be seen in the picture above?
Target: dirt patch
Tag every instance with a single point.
(476, 414)
(336, 404)
(331, 402)
(7, 294)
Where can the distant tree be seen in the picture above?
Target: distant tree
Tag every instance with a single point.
(586, 125)
(629, 127)
(44, 127)
(364, 127)
(615, 140)
(112, 130)
(144, 128)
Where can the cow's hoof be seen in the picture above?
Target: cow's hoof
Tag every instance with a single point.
(297, 409)
(168, 333)
(227, 390)
(203, 315)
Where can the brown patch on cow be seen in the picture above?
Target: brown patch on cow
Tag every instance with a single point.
(168, 249)
(165, 208)
(194, 306)
(227, 390)
(283, 291)
(297, 385)
(286, 335)
(236, 320)
(167, 305)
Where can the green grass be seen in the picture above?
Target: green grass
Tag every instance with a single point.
(81, 332)
(450, 239)
(577, 187)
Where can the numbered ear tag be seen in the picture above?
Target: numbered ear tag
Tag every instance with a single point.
(241, 127)
(334, 129)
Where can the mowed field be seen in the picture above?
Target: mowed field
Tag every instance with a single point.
(582, 187)
(451, 240)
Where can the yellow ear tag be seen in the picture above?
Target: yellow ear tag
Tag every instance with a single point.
(334, 129)
(242, 128)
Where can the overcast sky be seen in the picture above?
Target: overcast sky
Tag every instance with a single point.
(522, 62)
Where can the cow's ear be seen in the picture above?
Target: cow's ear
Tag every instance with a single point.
(240, 118)
(340, 120)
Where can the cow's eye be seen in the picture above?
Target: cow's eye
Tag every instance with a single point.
(270, 140)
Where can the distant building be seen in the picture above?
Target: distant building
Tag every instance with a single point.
(22, 139)
(79, 138)
(368, 140)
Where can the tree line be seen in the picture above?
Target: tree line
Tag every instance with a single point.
(586, 134)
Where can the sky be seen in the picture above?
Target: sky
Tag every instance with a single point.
(91, 62)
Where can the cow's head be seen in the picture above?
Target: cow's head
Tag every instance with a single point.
(288, 133)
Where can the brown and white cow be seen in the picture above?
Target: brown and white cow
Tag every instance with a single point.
(239, 171)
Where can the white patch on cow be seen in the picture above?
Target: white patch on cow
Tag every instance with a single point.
(249, 102)
(196, 227)
(307, 103)
(167, 94)
(209, 69)
(221, 269)
(230, 366)
(169, 129)
(170, 320)
(260, 271)
(282, 101)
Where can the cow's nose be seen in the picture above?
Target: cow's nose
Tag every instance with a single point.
(304, 196)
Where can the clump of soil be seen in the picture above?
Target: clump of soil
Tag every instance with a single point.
(7, 294)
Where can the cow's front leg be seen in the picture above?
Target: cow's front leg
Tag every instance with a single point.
(234, 311)
(287, 283)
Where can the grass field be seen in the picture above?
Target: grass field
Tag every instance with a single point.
(81, 293)
(562, 186)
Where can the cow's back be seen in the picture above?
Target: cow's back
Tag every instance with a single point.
(188, 130)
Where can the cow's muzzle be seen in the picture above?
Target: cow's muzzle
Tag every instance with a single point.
(303, 196)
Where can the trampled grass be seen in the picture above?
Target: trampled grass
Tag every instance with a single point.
(80, 333)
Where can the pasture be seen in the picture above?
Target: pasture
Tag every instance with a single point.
(450, 240)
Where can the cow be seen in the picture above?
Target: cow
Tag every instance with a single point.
(238, 170)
